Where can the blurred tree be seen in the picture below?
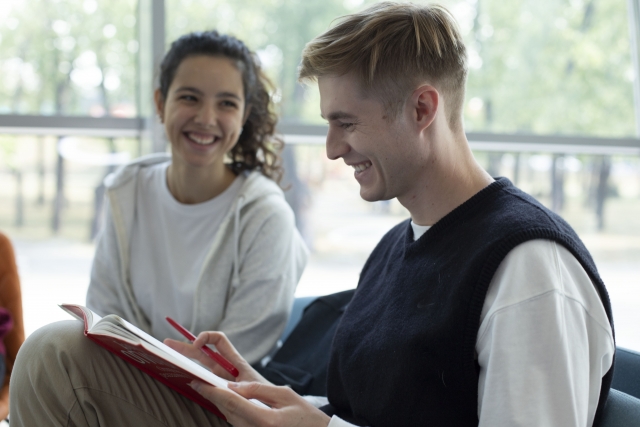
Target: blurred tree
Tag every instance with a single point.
(276, 29)
(8, 157)
(551, 67)
(536, 66)
(72, 57)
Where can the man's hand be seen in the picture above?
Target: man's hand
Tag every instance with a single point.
(287, 408)
(225, 348)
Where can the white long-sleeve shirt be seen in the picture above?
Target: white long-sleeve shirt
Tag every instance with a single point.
(544, 341)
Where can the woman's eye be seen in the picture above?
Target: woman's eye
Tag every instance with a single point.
(188, 98)
(229, 104)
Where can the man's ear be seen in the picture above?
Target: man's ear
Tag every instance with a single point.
(425, 101)
(159, 99)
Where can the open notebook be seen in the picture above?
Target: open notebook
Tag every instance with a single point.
(146, 353)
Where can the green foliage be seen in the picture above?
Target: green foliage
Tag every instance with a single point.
(277, 29)
(7, 151)
(551, 67)
(68, 57)
(537, 66)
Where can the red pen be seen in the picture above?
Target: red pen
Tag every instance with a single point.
(206, 350)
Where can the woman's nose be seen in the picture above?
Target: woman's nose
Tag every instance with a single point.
(206, 115)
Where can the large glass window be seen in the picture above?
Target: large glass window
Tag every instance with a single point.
(52, 186)
(276, 29)
(544, 67)
(548, 67)
(68, 57)
(598, 195)
(541, 68)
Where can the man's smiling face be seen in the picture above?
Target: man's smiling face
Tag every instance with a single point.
(382, 150)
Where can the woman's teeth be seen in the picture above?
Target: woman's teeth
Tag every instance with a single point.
(361, 166)
(202, 140)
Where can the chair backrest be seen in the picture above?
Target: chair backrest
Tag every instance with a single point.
(621, 410)
(626, 373)
(302, 360)
(299, 304)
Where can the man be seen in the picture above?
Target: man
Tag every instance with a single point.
(483, 309)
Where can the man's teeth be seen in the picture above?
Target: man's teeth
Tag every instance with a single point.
(202, 140)
(361, 166)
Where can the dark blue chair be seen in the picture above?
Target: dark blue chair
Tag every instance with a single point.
(299, 304)
(621, 410)
(626, 375)
(623, 404)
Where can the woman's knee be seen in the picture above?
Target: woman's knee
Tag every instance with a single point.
(41, 383)
(44, 346)
(57, 334)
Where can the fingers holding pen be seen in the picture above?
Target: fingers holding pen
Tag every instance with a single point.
(189, 350)
(229, 352)
(219, 359)
(244, 371)
(220, 341)
(194, 352)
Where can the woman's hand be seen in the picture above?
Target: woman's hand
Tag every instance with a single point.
(287, 408)
(225, 348)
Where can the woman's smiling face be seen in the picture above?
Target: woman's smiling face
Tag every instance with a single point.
(204, 111)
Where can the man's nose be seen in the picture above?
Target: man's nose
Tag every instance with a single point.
(336, 146)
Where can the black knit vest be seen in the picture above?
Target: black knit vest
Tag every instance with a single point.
(404, 351)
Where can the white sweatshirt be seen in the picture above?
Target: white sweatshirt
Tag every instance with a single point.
(248, 277)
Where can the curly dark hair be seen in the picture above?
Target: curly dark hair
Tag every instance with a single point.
(258, 147)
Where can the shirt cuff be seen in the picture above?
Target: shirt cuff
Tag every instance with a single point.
(317, 401)
(337, 422)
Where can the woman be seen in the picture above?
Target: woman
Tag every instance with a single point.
(204, 235)
(11, 325)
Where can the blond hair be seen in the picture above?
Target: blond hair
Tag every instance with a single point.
(392, 48)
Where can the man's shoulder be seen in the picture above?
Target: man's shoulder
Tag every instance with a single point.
(514, 210)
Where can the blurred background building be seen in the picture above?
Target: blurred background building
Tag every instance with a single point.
(553, 103)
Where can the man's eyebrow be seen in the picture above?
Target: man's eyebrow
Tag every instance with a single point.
(339, 115)
(218, 95)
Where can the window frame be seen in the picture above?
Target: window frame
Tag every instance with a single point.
(146, 127)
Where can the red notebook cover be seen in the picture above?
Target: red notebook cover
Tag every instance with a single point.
(137, 355)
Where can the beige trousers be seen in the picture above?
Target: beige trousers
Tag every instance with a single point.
(61, 378)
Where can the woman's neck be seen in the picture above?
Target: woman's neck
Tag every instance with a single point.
(196, 185)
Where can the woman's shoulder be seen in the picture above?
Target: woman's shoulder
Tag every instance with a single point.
(130, 171)
(257, 187)
(263, 196)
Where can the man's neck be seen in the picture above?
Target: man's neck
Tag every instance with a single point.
(451, 179)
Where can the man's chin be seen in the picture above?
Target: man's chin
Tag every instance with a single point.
(370, 196)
